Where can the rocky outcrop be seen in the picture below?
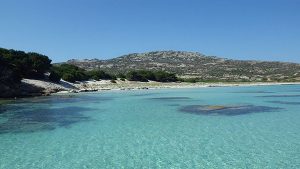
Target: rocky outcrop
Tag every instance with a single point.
(8, 91)
(31, 87)
(20, 90)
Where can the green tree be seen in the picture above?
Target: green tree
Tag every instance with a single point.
(70, 73)
(135, 76)
(162, 76)
(69, 77)
(54, 76)
(27, 65)
(40, 63)
(100, 74)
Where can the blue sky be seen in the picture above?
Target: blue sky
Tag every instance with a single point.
(239, 29)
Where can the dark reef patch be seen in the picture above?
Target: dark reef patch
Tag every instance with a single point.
(170, 98)
(285, 102)
(37, 114)
(281, 95)
(23, 119)
(226, 110)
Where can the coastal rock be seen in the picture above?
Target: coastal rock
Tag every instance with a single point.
(31, 87)
(8, 91)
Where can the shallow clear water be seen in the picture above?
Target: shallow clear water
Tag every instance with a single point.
(169, 128)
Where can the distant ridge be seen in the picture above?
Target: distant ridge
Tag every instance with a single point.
(195, 65)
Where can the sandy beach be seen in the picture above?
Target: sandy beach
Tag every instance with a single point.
(90, 86)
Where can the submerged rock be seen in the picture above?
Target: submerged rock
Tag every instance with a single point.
(21, 119)
(226, 110)
(215, 107)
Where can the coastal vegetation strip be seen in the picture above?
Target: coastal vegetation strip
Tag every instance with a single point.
(73, 73)
(29, 73)
(17, 65)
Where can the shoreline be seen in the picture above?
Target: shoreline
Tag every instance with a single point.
(98, 86)
(46, 88)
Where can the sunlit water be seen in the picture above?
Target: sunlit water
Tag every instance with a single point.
(169, 128)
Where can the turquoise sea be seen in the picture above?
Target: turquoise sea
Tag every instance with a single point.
(224, 127)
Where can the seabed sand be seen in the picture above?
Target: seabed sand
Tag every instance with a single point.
(89, 86)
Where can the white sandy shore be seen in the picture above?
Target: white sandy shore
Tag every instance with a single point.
(87, 86)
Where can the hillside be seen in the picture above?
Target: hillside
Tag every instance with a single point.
(196, 65)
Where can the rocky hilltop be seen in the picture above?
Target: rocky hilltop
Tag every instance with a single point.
(196, 65)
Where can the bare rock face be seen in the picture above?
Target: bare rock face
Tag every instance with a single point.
(8, 91)
(193, 64)
(28, 90)
(19, 90)
(31, 87)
